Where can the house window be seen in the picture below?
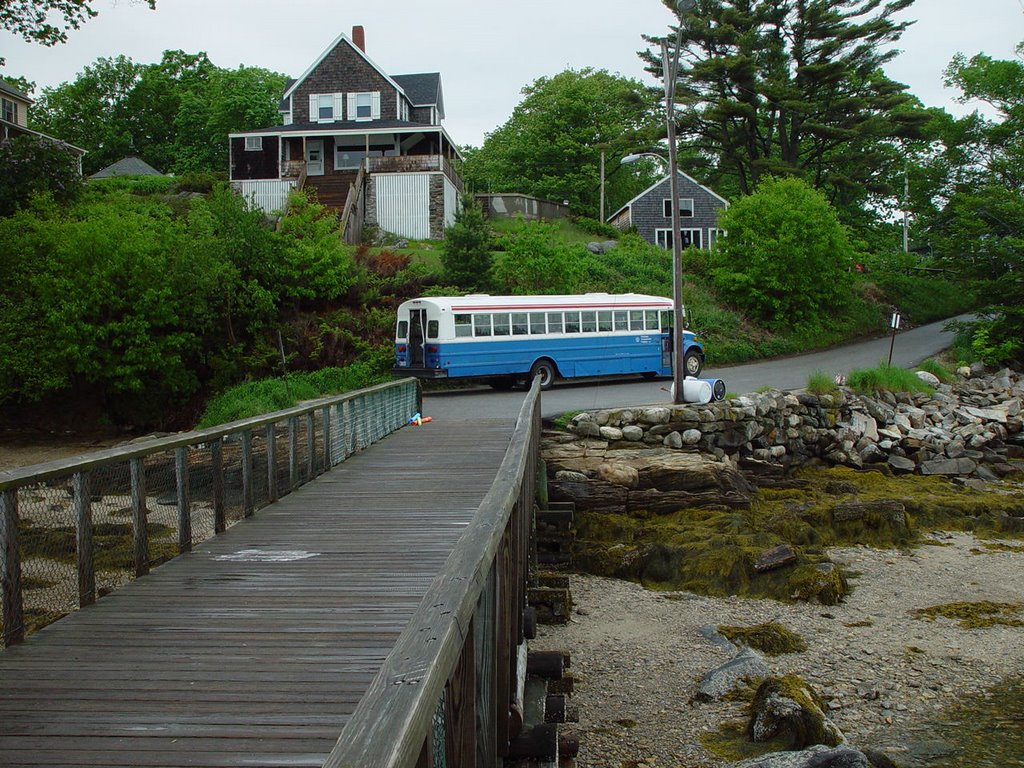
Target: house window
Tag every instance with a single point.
(364, 105)
(10, 111)
(685, 207)
(688, 238)
(713, 235)
(325, 107)
(253, 143)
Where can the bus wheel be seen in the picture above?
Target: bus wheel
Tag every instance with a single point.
(546, 370)
(692, 364)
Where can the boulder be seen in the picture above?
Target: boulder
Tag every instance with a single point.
(943, 466)
(569, 476)
(610, 434)
(887, 511)
(619, 474)
(818, 756)
(901, 465)
(775, 558)
(632, 433)
(787, 709)
(928, 378)
(747, 666)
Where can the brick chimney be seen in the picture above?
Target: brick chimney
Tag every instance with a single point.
(359, 38)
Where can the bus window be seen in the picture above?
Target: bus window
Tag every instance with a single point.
(537, 322)
(500, 324)
(519, 326)
(666, 319)
(589, 324)
(403, 330)
(636, 320)
(621, 320)
(481, 325)
(463, 325)
(604, 321)
(432, 329)
(652, 319)
(572, 322)
(554, 322)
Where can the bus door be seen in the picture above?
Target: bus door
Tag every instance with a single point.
(417, 326)
(666, 341)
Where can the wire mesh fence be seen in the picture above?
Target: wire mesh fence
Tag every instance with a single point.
(72, 531)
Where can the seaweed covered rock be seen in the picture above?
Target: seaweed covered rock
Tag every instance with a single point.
(821, 582)
(746, 667)
(787, 709)
(818, 756)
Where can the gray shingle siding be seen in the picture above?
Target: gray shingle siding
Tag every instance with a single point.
(648, 210)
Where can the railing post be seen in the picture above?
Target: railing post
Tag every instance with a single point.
(271, 433)
(83, 539)
(139, 517)
(10, 569)
(247, 499)
(311, 445)
(293, 453)
(327, 438)
(220, 522)
(184, 502)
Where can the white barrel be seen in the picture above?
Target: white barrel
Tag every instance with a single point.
(717, 388)
(697, 390)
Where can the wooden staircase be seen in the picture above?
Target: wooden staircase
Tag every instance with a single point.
(332, 189)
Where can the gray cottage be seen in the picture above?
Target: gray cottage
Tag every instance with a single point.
(371, 145)
(651, 213)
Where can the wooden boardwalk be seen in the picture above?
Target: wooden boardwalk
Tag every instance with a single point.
(254, 649)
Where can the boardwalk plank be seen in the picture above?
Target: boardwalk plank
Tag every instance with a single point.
(240, 653)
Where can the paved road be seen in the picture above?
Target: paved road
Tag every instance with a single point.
(911, 347)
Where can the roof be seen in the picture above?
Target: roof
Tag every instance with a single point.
(484, 301)
(661, 181)
(340, 39)
(9, 89)
(128, 166)
(423, 90)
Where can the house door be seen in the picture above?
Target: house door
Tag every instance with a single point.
(314, 157)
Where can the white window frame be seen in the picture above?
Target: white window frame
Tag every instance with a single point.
(713, 234)
(253, 143)
(353, 105)
(9, 104)
(666, 207)
(663, 237)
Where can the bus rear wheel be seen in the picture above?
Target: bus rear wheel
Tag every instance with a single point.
(546, 370)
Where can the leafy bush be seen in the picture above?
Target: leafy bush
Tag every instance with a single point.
(31, 165)
(535, 261)
(139, 185)
(786, 257)
(595, 227)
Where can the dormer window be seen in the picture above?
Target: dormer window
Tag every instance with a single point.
(325, 107)
(363, 105)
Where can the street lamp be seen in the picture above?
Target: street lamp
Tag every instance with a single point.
(670, 70)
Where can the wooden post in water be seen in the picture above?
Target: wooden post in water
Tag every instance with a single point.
(10, 569)
(184, 502)
(83, 539)
(139, 517)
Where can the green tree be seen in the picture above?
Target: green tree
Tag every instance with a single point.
(786, 257)
(466, 253)
(231, 100)
(46, 21)
(32, 164)
(775, 87)
(551, 145)
(536, 261)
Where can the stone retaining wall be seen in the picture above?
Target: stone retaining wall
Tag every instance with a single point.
(970, 428)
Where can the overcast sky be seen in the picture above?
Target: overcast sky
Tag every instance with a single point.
(485, 51)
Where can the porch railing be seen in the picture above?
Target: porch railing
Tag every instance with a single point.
(415, 164)
(72, 530)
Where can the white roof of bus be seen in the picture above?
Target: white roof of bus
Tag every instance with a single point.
(479, 301)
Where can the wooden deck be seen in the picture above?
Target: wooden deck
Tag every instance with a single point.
(254, 649)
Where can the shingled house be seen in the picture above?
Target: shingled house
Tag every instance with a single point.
(14, 107)
(371, 145)
(650, 213)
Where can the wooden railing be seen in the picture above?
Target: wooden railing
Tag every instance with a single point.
(413, 164)
(171, 493)
(351, 219)
(449, 693)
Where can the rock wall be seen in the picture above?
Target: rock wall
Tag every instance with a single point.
(971, 428)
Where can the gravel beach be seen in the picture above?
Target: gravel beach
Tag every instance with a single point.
(638, 655)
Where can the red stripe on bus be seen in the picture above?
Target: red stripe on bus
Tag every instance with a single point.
(511, 307)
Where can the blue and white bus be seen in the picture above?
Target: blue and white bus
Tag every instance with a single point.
(505, 339)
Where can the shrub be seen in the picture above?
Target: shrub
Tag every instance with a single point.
(886, 378)
(466, 254)
(786, 257)
(31, 165)
(820, 383)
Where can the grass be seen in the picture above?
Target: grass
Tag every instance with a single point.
(255, 398)
(820, 383)
(886, 378)
(936, 369)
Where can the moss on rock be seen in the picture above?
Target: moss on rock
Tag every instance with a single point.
(770, 638)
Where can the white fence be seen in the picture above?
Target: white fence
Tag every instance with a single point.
(403, 204)
(269, 195)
